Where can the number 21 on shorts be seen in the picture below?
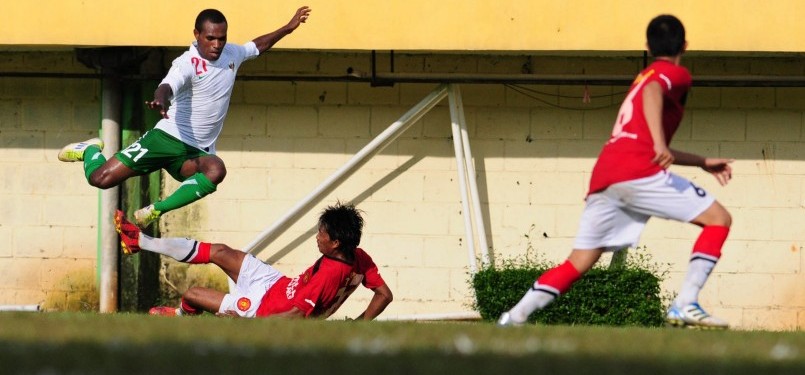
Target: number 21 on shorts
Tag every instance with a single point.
(135, 151)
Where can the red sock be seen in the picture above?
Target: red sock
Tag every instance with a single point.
(189, 310)
(711, 240)
(560, 277)
(202, 254)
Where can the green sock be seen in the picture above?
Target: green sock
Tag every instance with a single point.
(192, 189)
(93, 159)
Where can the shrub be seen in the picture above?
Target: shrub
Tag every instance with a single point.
(626, 294)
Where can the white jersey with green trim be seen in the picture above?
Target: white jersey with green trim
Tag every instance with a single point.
(201, 93)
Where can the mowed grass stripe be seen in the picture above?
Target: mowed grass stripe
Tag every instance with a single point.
(135, 343)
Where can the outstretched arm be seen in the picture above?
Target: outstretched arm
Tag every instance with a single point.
(265, 42)
(718, 167)
(380, 300)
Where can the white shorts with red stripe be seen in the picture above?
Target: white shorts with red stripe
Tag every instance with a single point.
(254, 279)
(615, 217)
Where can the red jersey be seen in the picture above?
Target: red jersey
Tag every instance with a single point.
(322, 288)
(629, 152)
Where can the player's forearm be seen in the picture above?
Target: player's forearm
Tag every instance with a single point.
(163, 93)
(265, 42)
(293, 313)
(379, 302)
(688, 159)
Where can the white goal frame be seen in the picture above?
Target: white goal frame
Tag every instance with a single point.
(474, 223)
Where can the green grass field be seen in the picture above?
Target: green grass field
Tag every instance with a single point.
(82, 343)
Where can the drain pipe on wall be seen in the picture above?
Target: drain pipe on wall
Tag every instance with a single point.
(108, 259)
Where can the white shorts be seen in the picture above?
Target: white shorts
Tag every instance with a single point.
(254, 279)
(615, 217)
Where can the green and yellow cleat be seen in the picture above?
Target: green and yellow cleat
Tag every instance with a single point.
(146, 215)
(75, 151)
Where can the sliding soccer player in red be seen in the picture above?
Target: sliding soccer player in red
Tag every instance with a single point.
(261, 290)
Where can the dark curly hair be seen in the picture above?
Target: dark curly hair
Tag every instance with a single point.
(343, 222)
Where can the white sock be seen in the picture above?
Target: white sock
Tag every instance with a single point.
(699, 269)
(534, 299)
(181, 249)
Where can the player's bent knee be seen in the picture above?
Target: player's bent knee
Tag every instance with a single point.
(216, 176)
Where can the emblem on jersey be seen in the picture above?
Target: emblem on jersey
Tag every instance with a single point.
(244, 304)
(232, 66)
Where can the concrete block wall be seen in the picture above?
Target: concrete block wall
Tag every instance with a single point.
(532, 153)
(48, 213)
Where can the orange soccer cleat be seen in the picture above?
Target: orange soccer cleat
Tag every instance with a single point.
(164, 311)
(129, 233)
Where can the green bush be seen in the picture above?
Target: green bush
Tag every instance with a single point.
(625, 295)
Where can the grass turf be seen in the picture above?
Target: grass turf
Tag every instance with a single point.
(57, 343)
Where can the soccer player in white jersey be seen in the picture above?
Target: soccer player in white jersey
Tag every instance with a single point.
(193, 100)
(630, 183)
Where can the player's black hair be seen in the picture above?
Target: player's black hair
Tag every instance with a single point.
(666, 36)
(212, 15)
(343, 222)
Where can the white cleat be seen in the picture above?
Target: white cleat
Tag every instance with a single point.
(75, 151)
(506, 320)
(145, 216)
(693, 316)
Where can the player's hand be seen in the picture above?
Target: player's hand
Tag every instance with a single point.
(299, 18)
(663, 156)
(157, 105)
(719, 168)
(227, 314)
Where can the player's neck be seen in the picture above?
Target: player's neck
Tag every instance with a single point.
(671, 59)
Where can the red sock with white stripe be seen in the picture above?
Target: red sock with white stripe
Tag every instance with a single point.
(706, 253)
(550, 285)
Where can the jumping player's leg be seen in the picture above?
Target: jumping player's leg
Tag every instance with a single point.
(99, 171)
(203, 174)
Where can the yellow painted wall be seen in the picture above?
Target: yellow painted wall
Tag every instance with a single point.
(282, 139)
(501, 25)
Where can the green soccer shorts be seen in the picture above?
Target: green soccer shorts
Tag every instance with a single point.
(157, 150)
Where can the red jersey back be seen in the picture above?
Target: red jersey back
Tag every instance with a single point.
(322, 288)
(629, 152)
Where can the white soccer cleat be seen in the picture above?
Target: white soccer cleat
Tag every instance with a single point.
(75, 151)
(506, 320)
(693, 316)
(146, 215)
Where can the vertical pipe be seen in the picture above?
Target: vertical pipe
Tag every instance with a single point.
(462, 178)
(110, 127)
(480, 227)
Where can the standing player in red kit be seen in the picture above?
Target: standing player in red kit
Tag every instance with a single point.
(261, 290)
(630, 183)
